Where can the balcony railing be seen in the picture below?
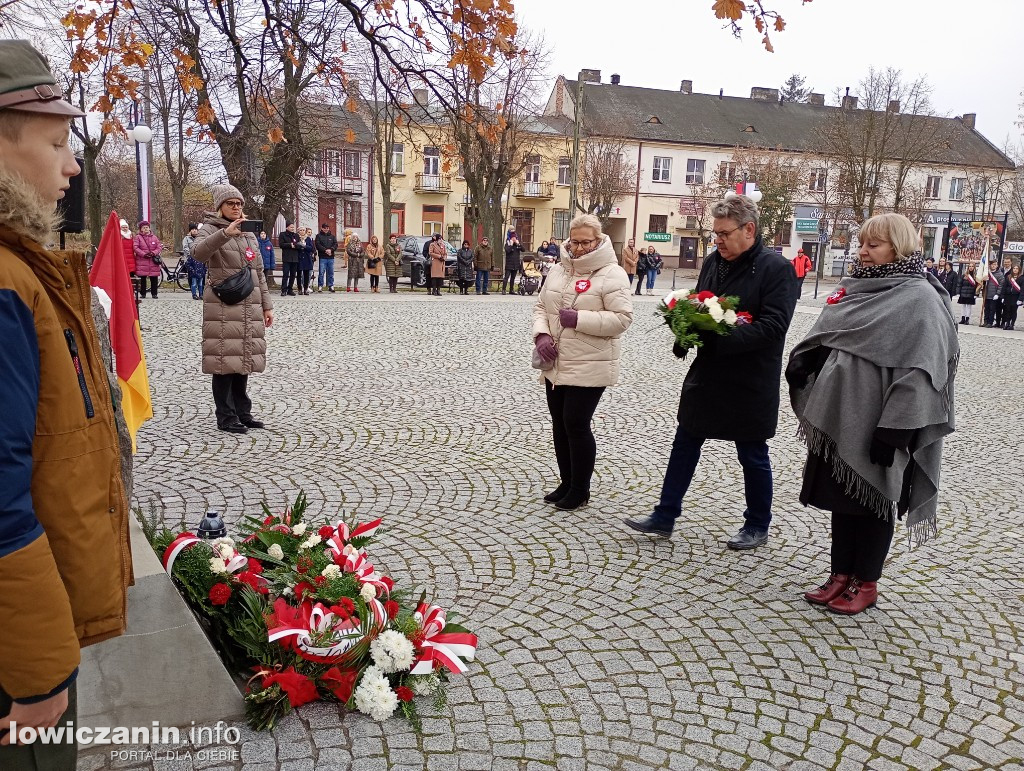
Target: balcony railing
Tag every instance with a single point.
(535, 189)
(433, 183)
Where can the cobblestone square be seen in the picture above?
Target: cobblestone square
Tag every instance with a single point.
(600, 648)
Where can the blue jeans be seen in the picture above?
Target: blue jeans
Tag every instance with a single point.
(197, 284)
(651, 276)
(483, 280)
(326, 266)
(757, 480)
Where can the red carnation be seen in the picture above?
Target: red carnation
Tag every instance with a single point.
(340, 682)
(403, 693)
(254, 566)
(220, 594)
(319, 580)
(391, 608)
(304, 564)
(304, 587)
(300, 689)
(326, 532)
(252, 579)
(705, 295)
(347, 604)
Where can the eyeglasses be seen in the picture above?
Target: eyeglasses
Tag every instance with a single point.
(233, 204)
(721, 236)
(584, 244)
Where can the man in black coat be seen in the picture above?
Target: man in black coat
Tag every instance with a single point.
(513, 262)
(326, 244)
(288, 241)
(732, 389)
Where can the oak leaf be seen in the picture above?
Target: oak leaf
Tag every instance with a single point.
(729, 9)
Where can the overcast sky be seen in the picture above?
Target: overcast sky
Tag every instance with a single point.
(972, 52)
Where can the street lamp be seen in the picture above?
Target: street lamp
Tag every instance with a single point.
(143, 135)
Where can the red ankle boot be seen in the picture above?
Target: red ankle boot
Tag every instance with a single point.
(828, 591)
(856, 598)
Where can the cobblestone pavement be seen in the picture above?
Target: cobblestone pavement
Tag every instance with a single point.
(598, 648)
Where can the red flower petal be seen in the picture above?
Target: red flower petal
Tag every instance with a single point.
(705, 295)
(340, 682)
(391, 608)
(326, 532)
(403, 693)
(300, 689)
(220, 594)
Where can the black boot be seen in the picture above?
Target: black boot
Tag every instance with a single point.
(558, 493)
(574, 499)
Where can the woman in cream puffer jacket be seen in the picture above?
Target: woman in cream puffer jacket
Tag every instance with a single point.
(583, 310)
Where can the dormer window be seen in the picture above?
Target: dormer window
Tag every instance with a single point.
(654, 119)
(749, 130)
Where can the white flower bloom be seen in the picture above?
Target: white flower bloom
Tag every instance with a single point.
(310, 542)
(715, 311)
(331, 571)
(374, 696)
(217, 565)
(730, 317)
(368, 592)
(227, 551)
(218, 542)
(288, 591)
(299, 529)
(392, 652)
(424, 685)
(276, 551)
(680, 294)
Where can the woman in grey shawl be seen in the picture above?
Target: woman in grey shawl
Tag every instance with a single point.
(872, 388)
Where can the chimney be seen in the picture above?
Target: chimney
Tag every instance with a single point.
(818, 100)
(419, 96)
(969, 119)
(849, 102)
(615, 80)
(894, 105)
(590, 76)
(686, 87)
(764, 94)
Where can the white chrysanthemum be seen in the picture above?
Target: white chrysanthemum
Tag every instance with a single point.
(715, 311)
(368, 592)
(218, 542)
(288, 591)
(227, 551)
(730, 317)
(310, 542)
(392, 652)
(374, 696)
(331, 571)
(276, 551)
(299, 529)
(424, 685)
(217, 565)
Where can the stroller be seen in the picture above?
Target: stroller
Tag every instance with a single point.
(530, 277)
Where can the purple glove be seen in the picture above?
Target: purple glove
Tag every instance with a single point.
(567, 317)
(546, 347)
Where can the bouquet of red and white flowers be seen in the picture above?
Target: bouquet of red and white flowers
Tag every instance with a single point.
(303, 607)
(688, 313)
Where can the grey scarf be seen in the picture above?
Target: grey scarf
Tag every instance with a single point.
(893, 361)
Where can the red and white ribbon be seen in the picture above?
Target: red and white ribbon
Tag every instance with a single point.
(176, 547)
(438, 647)
(319, 621)
(344, 534)
(352, 561)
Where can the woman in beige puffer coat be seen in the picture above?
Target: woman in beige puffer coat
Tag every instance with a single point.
(583, 310)
(234, 342)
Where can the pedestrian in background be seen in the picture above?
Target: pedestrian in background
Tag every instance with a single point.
(234, 335)
(993, 283)
(946, 276)
(513, 263)
(654, 263)
(630, 256)
(464, 267)
(374, 266)
(731, 391)
(801, 266)
(326, 247)
(392, 263)
(438, 254)
(578, 322)
(483, 263)
(641, 271)
(307, 254)
(267, 251)
(879, 459)
(355, 254)
(128, 249)
(554, 250)
(288, 241)
(188, 240)
(147, 249)
(1011, 294)
(196, 275)
(967, 291)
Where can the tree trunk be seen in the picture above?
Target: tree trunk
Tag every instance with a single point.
(93, 189)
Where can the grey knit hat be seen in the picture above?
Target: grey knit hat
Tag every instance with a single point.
(222, 193)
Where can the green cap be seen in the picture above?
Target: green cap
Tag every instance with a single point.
(26, 83)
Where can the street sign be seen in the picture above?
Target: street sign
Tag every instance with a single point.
(823, 238)
(657, 237)
(806, 226)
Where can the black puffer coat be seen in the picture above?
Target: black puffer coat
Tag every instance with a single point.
(967, 288)
(732, 389)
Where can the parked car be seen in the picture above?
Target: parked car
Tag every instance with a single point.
(412, 252)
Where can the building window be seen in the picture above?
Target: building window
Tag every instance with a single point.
(727, 172)
(398, 158)
(783, 234)
(872, 180)
(691, 222)
(662, 170)
(353, 214)
(694, 172)
(816, 184)
(431, 162)
(564, 172)
(931, 187)
(327, 164)
(980, 190)
(956, 188)
(560, 224)
(433, 220)
(533, 168)
(658, 223)
(352, 164)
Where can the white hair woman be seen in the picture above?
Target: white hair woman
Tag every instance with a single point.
(872, 387)
(581, 313)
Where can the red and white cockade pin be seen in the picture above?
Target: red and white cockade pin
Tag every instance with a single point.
(836, 296)
(250, 255)
(582, 286)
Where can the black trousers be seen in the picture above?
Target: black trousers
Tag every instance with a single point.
(572, 408)
(393, 283)
(640, 277)
(1000, 311)
(304, 278)
(1010, 313)
(291, 272)
(233, 403)
(860, 543)
(154, 282)
(993, 311)
(436, 284)
(374, 281)
(38, 756)
(510, 280)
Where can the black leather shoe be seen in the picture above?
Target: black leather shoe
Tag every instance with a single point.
(748, 539)
(558, 493)
(650, 526)
(573, 500)
(250, 423)
(234, 428)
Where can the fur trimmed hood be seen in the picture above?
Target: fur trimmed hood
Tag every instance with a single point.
(23, 212)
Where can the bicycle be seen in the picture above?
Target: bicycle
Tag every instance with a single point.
(178, 275)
